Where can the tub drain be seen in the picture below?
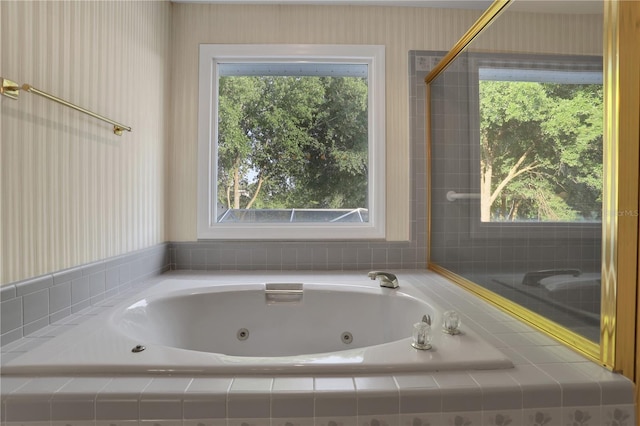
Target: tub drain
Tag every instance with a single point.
(242, 334)
(346, 337)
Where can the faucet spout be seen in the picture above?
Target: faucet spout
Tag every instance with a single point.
(387, 279)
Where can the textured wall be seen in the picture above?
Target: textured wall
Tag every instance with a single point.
(400, 29)
(72, 191)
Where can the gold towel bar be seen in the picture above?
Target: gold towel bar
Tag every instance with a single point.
(11, 90)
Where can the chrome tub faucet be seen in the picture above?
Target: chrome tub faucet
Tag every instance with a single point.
(387, 279)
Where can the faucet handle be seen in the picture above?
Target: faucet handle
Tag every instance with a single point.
(426, 318)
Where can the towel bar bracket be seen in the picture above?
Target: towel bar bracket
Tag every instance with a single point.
(9, 88)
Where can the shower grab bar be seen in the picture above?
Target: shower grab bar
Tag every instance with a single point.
(453, 196)
(11, 90)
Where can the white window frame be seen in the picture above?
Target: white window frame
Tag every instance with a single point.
(210, 56)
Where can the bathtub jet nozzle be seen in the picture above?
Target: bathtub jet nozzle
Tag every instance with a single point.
(138, 348)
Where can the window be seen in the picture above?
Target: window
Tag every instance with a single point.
(540, 144)
(535, 131)
(291, 142)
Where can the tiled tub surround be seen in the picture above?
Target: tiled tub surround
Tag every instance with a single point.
(28, 306)
(549, 384)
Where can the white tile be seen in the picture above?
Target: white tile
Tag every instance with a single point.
(378, 420)
(542, 416)
(12, 347)
(335, 404)
(416, 400)
(29, 343)
(408, 381)
(293, 384)
(378, 402)
(204, 422)
(502, 417)
(11, 384)
(154, 409)
(32, 423)
(248, 405)
(161, 422)
(42, 386)
(565, 373)
(622, 415)
(421, 419)
(166, 387)
(82, 388)
(515, 356)
(117, 409)
(117, 422)
(71, 423)
(518, 339)
(249, 422)
(293, 421)
(209, 386)
(333, 384)
(527, 375)
(292, 397)
(454, 379)
(32, 409)
(468, 399)
(466, 418)
(293, 405)
(202, 406)
(590, 415)
(125, 387)
(493, 378)
(251, 384)
(377, 383)
(337, 421)
(565, 354)
(76, 410)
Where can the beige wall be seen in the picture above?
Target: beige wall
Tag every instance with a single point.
(72, 191)
(400, 29)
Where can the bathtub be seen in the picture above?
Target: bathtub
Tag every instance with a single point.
(246, 326)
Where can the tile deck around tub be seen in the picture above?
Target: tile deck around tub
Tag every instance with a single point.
(550, 385)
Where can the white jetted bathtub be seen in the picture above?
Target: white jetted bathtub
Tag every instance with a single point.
(207, 327)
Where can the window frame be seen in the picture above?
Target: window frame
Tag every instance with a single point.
(212, 54)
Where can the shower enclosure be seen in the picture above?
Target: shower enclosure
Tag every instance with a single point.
(515, 126)
(516, 180)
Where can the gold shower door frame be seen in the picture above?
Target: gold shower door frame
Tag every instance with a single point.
(619, 327)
